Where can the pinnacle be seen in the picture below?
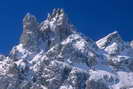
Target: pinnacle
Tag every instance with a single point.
(29, 18)
(57, 13)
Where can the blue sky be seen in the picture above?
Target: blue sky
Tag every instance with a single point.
(94, 18)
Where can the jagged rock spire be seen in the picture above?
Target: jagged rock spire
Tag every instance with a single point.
(51, 31)
(59, 16)
(29, 18)
(56, 13)
(30, 31)
(56, 27)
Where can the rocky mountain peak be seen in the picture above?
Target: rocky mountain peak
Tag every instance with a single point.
(52, 55)
(29, 18)
(113, 36)
(47, 33)
(57, 14)
(109, 39)
(30, 31)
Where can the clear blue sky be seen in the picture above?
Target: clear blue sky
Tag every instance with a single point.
(95, 18)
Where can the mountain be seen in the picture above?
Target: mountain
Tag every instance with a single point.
(53, 55)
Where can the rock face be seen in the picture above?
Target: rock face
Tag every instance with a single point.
(53, 55)
(30, 33)
(43, 36)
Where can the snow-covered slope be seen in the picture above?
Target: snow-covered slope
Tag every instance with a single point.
(53, 55)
